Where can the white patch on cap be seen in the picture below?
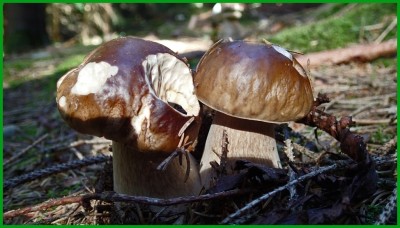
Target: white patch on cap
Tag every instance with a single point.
(92, 77)
(283, 52)
(170, 80)
(62, 102)
(144, 114)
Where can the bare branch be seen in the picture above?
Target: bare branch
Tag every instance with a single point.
(115, 197)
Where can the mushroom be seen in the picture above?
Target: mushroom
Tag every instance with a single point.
(140, 95)
(251, 87)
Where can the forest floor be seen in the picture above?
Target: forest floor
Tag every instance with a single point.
(35, 137)
(63, 164)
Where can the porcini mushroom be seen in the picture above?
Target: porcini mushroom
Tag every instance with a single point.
(251, 86)
(140, 95)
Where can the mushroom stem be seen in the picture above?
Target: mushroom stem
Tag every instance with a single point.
(247, 139)
(136, 173)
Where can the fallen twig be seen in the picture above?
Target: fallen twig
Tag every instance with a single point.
(362, 52)
(115, 197)
(332, 102)
(371, 121)
(366, 99)
(43, 206)
(305, 151)
(24, 151)
(390, 27)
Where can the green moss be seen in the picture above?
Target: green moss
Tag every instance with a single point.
(334, 32)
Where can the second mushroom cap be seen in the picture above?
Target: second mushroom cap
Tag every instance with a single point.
(257, 81)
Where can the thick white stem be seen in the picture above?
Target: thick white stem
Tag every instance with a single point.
(248, 140)
(136, 173)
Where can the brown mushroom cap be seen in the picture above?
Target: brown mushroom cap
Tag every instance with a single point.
(256, 81)
(125, 90)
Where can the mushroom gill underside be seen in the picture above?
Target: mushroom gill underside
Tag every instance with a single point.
(170, 80)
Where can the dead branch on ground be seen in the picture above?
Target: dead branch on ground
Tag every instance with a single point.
(116, 197)
(361, 52)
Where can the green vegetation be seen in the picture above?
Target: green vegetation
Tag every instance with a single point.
(63, 191)
(70, 62)
(328, 12)
(18, 71)
(30, 161)
(336, 31)
(386, 62)
(10, 68)
(380, 136)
